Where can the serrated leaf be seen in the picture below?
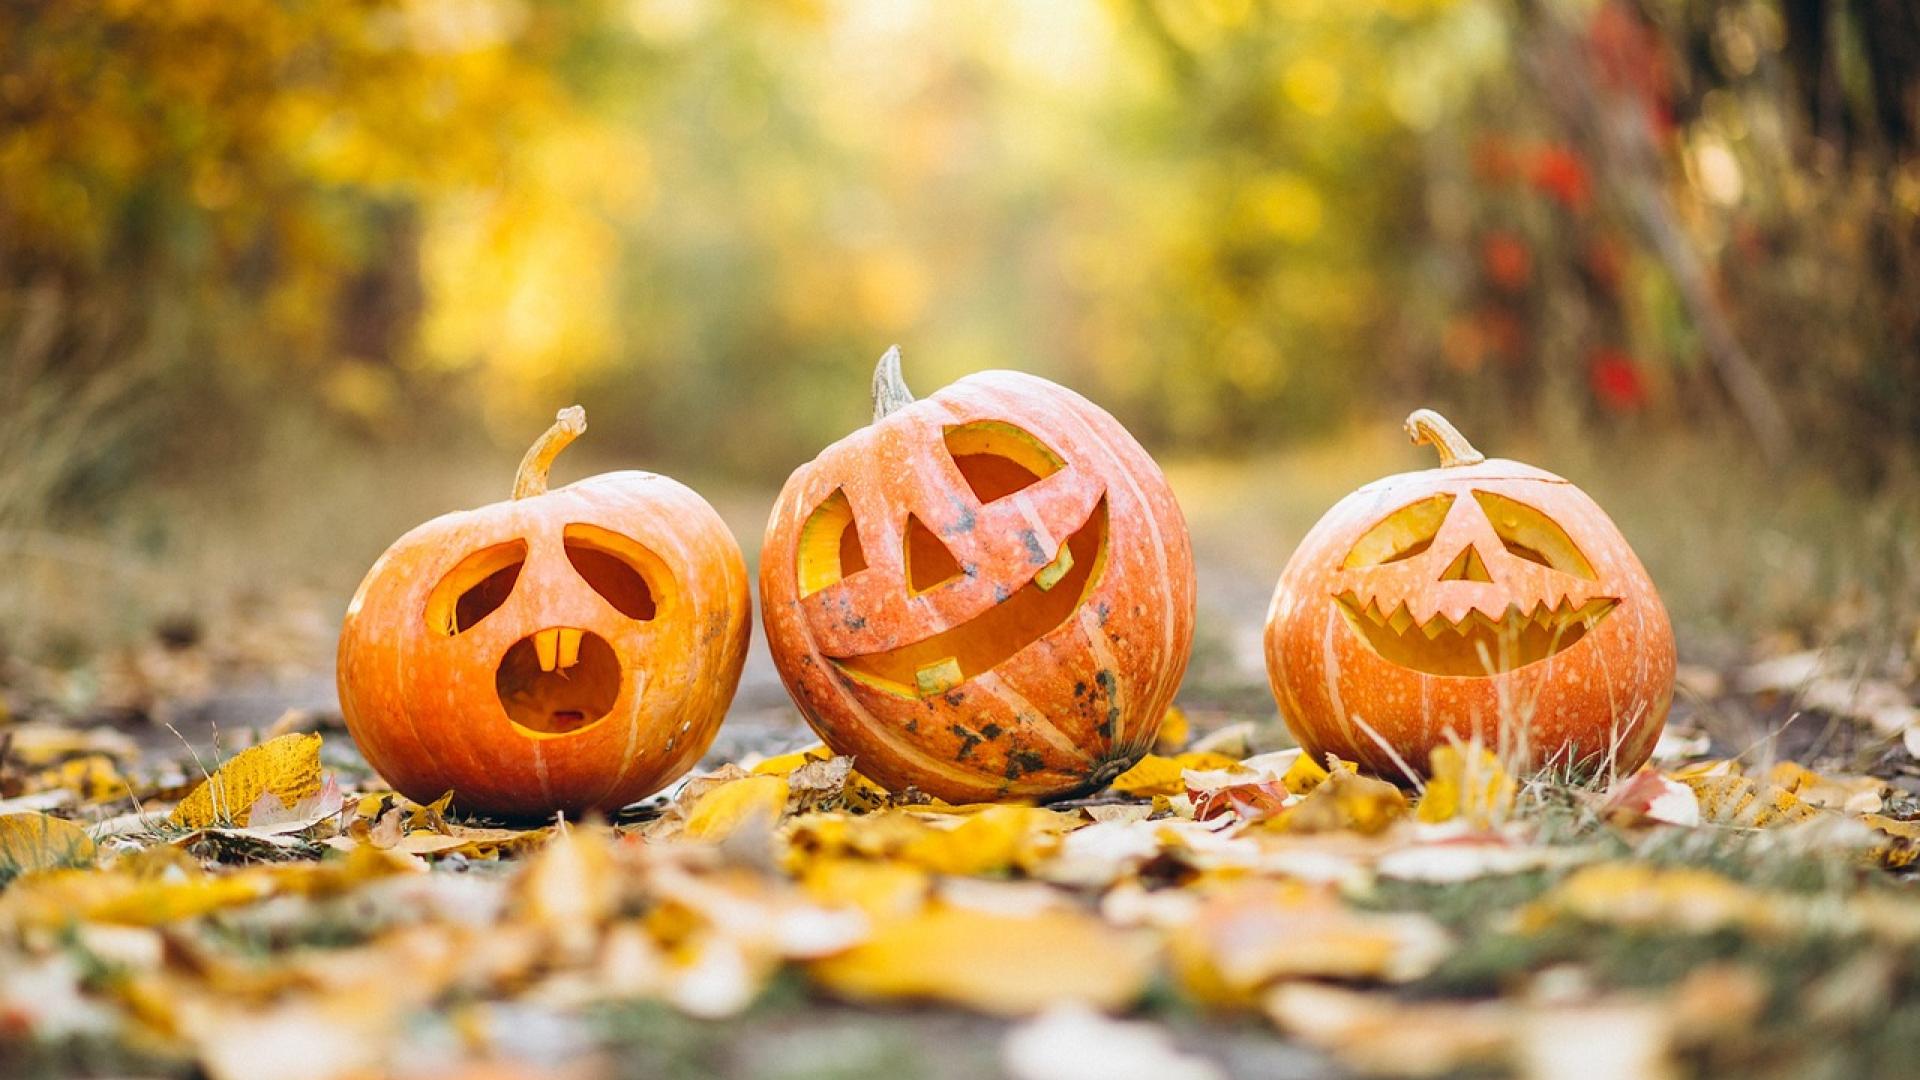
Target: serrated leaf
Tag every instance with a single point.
(287, 767)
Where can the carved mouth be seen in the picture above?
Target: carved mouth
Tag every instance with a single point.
(559, 680)
(936, 664)
(1477, 644)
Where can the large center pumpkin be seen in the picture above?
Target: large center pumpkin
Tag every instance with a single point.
(565, 650)
(985, 594)
(1482, 599)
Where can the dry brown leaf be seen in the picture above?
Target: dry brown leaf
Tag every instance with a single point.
(287, 767)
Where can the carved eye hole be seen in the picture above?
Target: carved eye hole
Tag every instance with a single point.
(1531, 535)
(616, 567)
(1402, 534)
(997, 459)
(829, 545)
(475, 588)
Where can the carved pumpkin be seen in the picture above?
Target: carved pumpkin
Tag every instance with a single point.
(1484, 598)
(986, 594)
(565, 650)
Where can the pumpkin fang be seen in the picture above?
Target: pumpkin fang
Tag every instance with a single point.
(558, 680)
(1476, 644)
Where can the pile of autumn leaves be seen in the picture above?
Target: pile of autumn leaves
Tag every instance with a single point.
(271, 923)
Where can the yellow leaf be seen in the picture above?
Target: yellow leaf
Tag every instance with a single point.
(1344, 801)
(995, 840)
(1466, 782)
(996, 963)
(1156, 775)
(1740, 801)
(1252, 934)
(882, 890)
(1305, 774)
(287, 767)
(755, 800)
(1175, 732)
(40, 842)
(785, 764)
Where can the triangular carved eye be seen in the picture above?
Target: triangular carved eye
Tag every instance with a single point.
(475, 588)
(930, 563)
(829, 545)
(1402, 534)
(615, 567)
(1531, 535)
(997, 459)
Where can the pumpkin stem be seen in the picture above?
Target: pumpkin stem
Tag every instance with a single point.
(1429, 428)
(890, 393)
(531, 480)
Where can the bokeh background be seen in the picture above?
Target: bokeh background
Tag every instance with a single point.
(281, 278)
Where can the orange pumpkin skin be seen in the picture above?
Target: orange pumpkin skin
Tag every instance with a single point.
(434, 710)
(1587, 684)
(1053, 690)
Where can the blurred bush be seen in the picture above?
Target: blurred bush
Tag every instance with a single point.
(1231, 220)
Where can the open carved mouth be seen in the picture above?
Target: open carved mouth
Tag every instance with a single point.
(936, 664)
(558, 680)
(1477, 644)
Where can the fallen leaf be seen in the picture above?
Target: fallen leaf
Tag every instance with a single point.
(1744, 802)
(1073, 1042)
(751, 802)
(1251, 935)
(31, 842)
(1174, 734)
(1345, 801)
(1466, 781)
(1647, 797)
(1374, 1033)
(1156, 775)
(995, 963)
(287, 767)
(1848, 794)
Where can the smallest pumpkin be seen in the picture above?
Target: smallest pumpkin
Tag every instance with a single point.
(565, 650)
(1482, 599)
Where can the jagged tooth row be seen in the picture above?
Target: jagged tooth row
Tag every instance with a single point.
(1556, 617)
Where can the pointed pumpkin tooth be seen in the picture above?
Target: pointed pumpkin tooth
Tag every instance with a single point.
(938, 677)
(1402, 618)
(569, 649)
(1050, 574)
(546, 644)
(1433, 627)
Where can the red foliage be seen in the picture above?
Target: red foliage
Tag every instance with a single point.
(1617, 381)
(1629, 61)
(1505, 259)
(1558, 172)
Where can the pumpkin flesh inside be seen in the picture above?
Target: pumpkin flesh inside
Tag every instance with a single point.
(558, 681)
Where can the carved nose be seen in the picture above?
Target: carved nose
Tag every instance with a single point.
(930, 563)
(1468, 566)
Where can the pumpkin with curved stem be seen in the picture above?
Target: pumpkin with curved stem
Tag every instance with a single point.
(565, 650)
(985, 594)
(1482, 599)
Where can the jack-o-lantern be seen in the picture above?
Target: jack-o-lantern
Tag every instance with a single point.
(565, 650)
(985, 594)
(1482, 599)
